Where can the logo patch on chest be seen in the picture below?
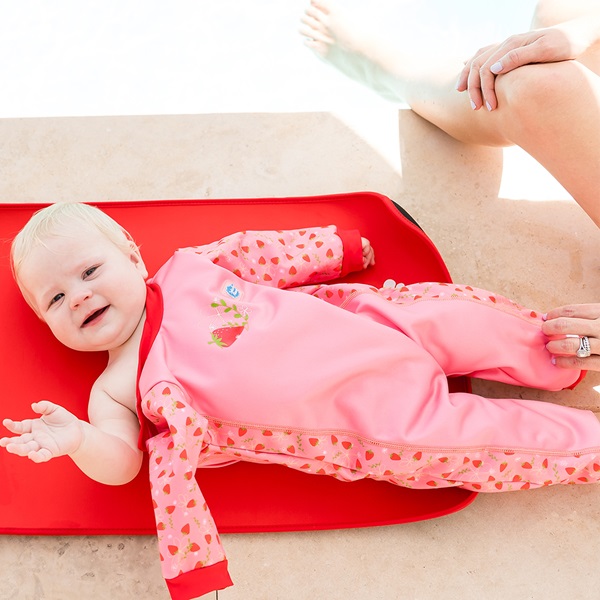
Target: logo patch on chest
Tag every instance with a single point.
(230, 290)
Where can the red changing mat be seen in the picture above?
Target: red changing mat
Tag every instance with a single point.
(56, 498)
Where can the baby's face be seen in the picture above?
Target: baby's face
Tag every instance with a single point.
(90, 293)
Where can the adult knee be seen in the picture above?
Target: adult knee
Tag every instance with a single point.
(530, 94)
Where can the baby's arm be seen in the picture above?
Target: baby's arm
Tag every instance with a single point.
(104, 449)
(109, 451)
(290, 258)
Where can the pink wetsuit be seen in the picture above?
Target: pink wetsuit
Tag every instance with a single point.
(342, 380)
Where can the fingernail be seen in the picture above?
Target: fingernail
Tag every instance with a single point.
(488, 106)
(553, 360)
(496, 68)
(473, 105)
(545, 317)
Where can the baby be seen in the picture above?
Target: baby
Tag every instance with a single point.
(85, 278)
(237, 350)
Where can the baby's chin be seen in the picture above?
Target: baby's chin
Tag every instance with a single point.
(109, 343)
(81, 347)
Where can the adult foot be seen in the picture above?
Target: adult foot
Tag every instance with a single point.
(347, 38)
(326, 24)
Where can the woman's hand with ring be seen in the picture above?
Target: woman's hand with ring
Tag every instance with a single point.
(573, 331)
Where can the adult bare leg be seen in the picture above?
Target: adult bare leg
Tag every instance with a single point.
(551, 110)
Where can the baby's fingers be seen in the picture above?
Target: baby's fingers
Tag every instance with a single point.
(21, 445)
(44, 407)
(368, 253)
(40, 456)
(26, 447)
(17, 426)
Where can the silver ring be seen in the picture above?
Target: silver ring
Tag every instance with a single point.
(584, 349)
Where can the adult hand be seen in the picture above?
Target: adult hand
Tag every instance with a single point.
(575, 321)
(553, 44)
(56, 432)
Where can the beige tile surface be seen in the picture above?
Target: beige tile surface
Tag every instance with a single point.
(541, 544)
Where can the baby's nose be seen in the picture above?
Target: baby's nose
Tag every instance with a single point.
(78, 298)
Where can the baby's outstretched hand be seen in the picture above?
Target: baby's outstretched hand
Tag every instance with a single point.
(55, 433)
(368, 253)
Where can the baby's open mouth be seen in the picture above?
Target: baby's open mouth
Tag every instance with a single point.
(94, 316)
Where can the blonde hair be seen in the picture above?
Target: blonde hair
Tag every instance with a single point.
(58, 219)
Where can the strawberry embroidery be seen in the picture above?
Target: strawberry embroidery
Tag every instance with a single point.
(225, 335)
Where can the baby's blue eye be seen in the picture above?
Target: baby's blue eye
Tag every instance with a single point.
(89, 272)
(56, 299)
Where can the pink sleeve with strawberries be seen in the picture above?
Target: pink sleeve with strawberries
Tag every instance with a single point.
(287, 259)
(192, 559)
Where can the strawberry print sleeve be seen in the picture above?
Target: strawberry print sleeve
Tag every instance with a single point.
(287, 258)
(192, 558)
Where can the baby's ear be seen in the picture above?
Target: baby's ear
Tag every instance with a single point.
(136, 258)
